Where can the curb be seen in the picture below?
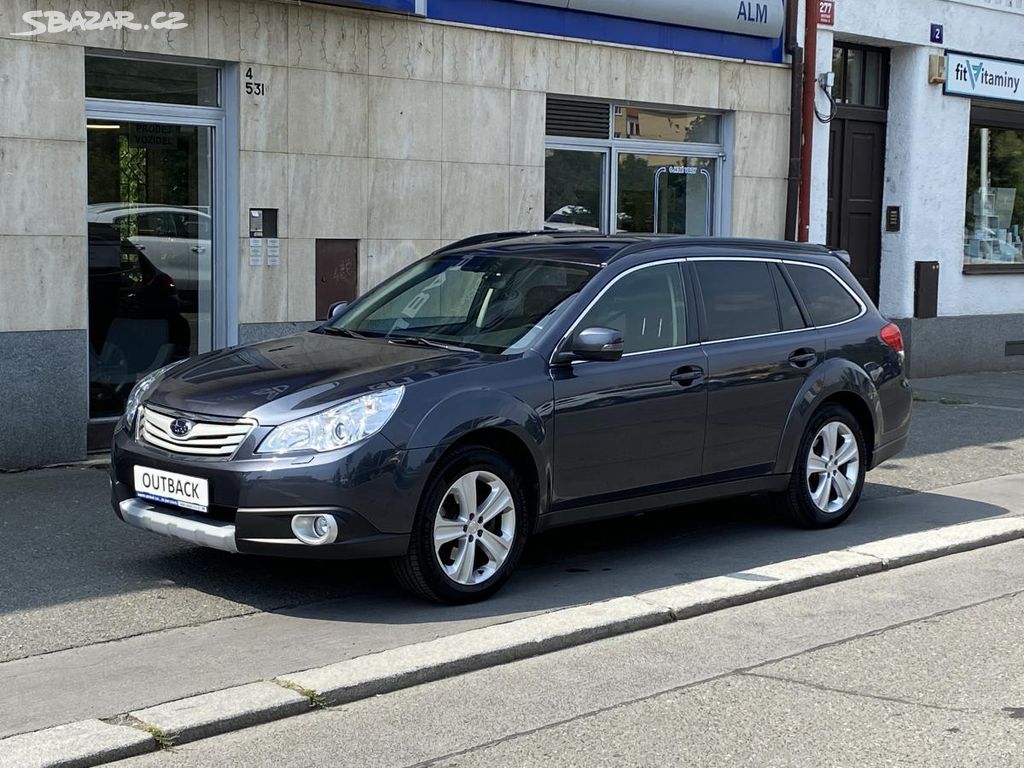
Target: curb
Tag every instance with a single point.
(92, 742)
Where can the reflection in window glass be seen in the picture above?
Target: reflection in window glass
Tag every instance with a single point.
(995, 197)
(739, 299)
(860, 76)
(854, 76)
(646, 306)
(873, 79)
(573, 190)
(665, 194)
(158, 81)
(150, 254)
(839, 68)
(654, 125)
(826, 300)
(487, 302)
(789, 310)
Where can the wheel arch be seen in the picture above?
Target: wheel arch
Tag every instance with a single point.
(492, 419)
(855, 405)
(841, 383)
(515, 450)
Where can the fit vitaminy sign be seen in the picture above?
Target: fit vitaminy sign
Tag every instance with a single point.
(982, 78)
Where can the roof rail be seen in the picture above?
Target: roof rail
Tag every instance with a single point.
(486, 238)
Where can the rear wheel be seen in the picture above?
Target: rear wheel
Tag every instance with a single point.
(828, 476)
(469, 531)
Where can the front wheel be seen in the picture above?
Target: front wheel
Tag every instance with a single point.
(828, 476)
(469, 531)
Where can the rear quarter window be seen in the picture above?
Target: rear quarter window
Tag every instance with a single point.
(828, 302)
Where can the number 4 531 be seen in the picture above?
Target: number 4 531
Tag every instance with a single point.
(253, 88)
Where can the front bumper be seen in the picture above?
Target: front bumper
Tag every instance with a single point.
(371, 490)
(152, 517)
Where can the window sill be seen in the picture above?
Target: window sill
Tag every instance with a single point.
(994, 269)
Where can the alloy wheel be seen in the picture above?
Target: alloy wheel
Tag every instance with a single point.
(833, 467)
(474, 527)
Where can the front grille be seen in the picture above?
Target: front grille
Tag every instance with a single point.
(206, 438)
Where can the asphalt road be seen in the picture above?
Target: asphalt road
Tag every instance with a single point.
(915, 667)
(73, 575)
(122, 618)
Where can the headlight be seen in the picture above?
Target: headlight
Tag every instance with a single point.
(138, 394)
(337, 427)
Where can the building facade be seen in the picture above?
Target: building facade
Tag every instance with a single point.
(223, 170)
(920, 172)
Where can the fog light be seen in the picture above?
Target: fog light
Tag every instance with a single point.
(315, 529)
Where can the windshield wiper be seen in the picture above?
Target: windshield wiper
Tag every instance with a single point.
(420, 341)
(340, 332)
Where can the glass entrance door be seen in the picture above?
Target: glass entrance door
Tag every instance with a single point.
(665, 194)
(150, 251)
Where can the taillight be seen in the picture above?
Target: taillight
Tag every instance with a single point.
(893, 337)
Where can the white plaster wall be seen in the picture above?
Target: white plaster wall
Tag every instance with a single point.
(926, 174)
(908, 22)
(926, 148)
(818, 230)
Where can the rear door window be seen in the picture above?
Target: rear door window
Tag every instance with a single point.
(828, 302)
(739, 299)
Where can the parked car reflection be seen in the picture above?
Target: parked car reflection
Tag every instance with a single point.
(176, 239)
(135, 320)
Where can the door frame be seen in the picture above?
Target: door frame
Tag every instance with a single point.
(224, 124)
(855, 110)
(844, 116)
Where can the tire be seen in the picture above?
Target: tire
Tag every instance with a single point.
(445, 574)
(823, 499)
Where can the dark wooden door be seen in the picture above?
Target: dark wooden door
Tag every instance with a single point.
(856, 178)
(337, 273)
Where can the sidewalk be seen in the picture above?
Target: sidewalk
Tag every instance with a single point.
(995, 389)
(851, 674)
(105, 619)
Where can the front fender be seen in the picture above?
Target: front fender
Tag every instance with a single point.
(834, 377)
(461, 413)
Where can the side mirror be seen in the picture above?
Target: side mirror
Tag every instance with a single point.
(597, 344)
(336, 310)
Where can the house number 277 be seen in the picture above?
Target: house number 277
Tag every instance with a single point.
(253, 88)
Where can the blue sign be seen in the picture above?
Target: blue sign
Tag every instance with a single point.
(737, 29)
(639, 24)
(937, 34)
(760, 18)
(395, 6)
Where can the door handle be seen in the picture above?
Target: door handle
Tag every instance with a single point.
(198, 249)
(803, 357)
(688, 376)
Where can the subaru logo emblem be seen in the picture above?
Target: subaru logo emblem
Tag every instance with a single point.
(181, 427)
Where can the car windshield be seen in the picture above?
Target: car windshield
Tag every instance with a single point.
(495, 303)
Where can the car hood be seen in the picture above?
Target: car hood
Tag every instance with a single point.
(283, 379)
